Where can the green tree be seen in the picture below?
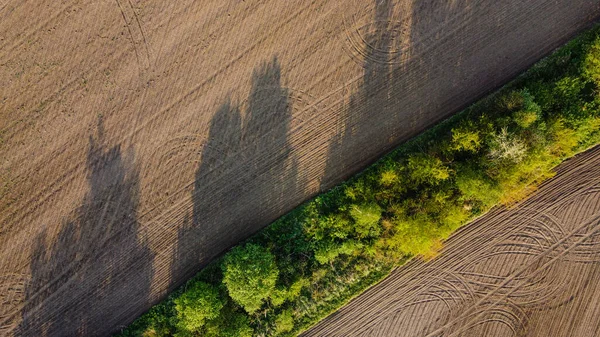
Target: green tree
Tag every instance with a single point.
(250, 274)
(474, 186)
(230, 324)
(328, 251)
(329, 226)
(285, 293)
(198, 304)
(568, 91)
(366, 220)
(427, 169)
(284, 322)
(529, 113)
(464, 139)
(414, 235)
(591, 63)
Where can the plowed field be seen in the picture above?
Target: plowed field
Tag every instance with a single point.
(141, 139)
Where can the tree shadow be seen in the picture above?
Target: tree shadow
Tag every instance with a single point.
(245, 175)
(78, 276)
(372, 95)
(396, 57)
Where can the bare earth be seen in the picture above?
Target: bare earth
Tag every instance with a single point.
(529, 271)
(141, 139)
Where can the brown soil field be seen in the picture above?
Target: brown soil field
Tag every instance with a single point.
(141, 139)
(531, 270)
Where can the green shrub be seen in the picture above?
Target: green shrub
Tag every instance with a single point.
(284, 322)
(388, 178)
(283, 294)
(425, 169)
(250, 274)
(366, 220)
(465, 139)
(476, 189)
(529, 113)
(231, 324)
(327, 251)
(414, 236)
(591, 63)
(331, 226)
(199, 303)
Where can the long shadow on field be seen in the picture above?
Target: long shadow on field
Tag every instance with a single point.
(395, 48)
(77, 274)
(245, 169)
(371, 97)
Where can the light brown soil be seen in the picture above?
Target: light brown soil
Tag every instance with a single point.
(528, 271)
(140, 139)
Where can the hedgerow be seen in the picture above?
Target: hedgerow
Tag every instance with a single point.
(314, 259)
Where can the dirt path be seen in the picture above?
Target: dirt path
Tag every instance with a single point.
(528, 271)
(140, 139)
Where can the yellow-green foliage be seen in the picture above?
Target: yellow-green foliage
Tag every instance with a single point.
(530, 111)
(425, 169)
(591, 63)
(475, 187)
(521, 180)
(388, 178)
(250, 275)
(200, 303)
(283, 294)
(284, 322)
(414, 236)
(327, 252)
(465, 139)
(564, 139)
(229, 324)
(366, 220)
(453, 218)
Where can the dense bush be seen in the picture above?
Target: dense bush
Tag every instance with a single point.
(250, 275)
(199, 303)
(314, 259)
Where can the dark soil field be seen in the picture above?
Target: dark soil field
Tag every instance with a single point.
(141, 139)
(527, 271)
